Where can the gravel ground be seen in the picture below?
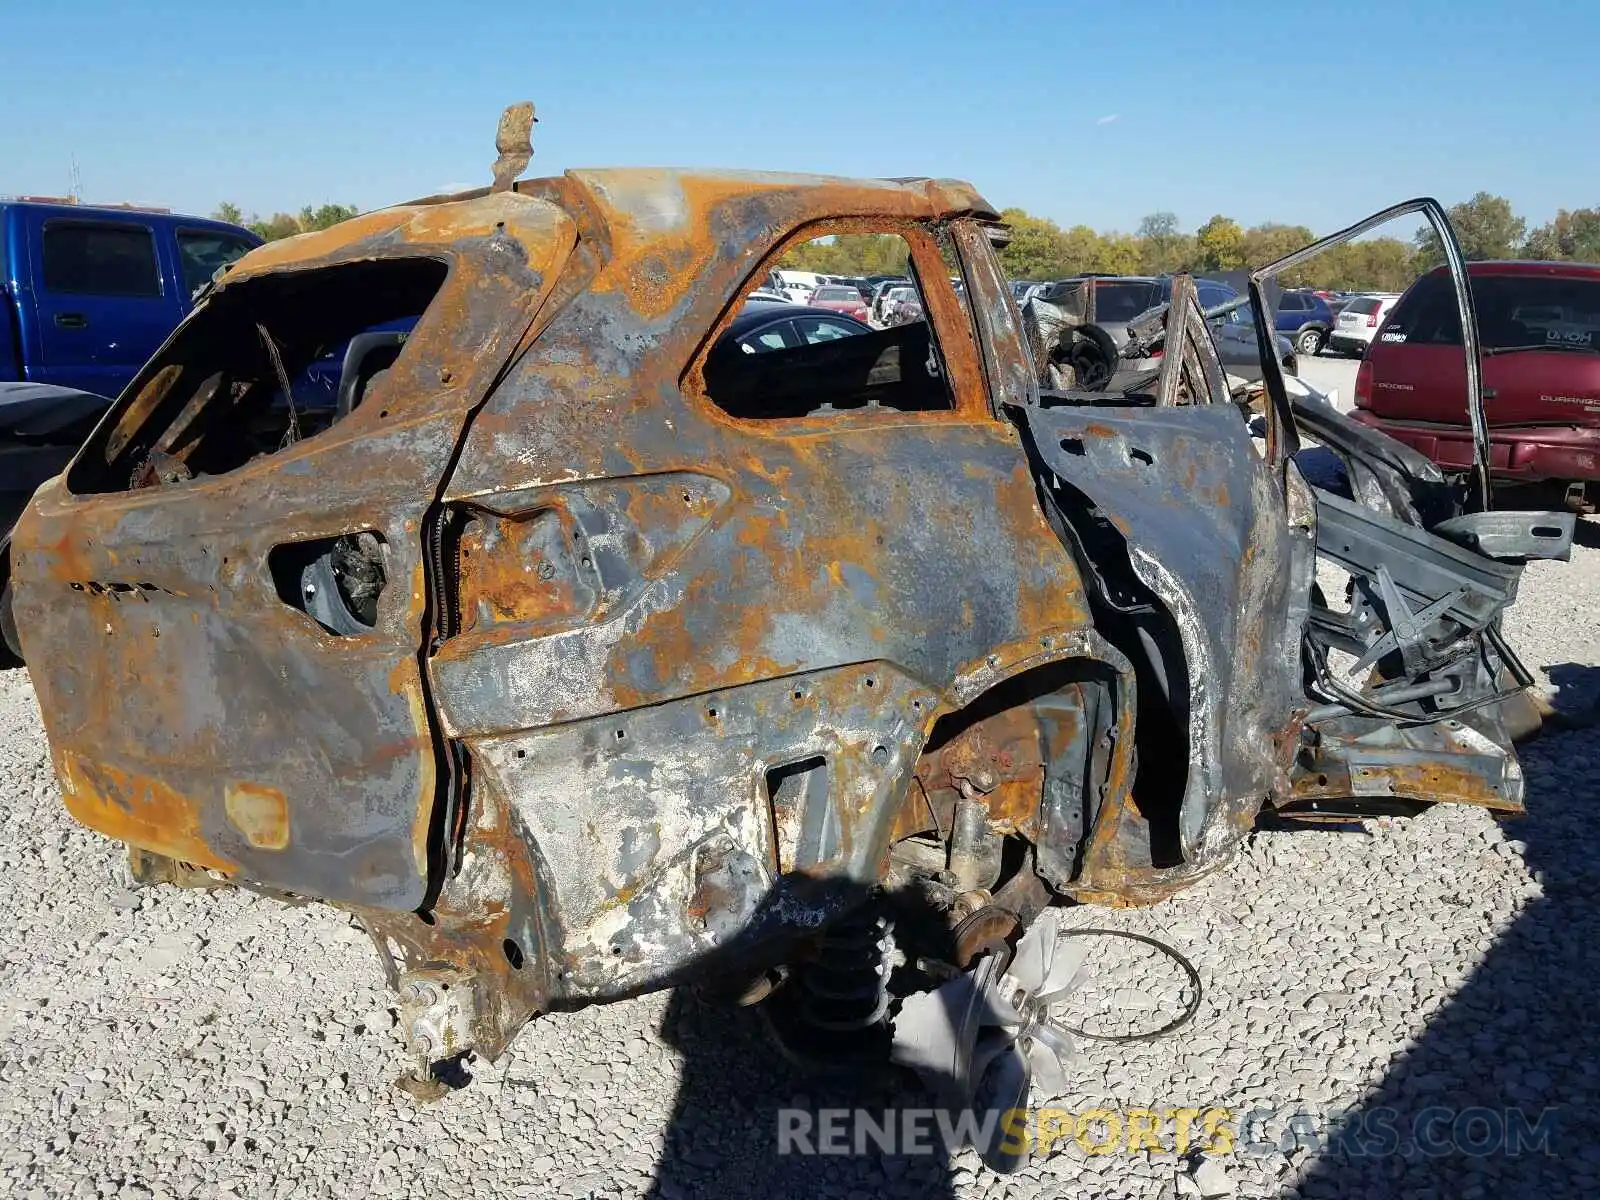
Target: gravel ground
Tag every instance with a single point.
(1327, 372)
(170, 1044)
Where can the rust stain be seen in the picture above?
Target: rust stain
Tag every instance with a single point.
(260, 813)
(138, 810)
(1428, 782)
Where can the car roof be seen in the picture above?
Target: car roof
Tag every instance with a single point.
(1521, 266)
(759, 312)
(119, 212)
(662, 233)
(656, 199)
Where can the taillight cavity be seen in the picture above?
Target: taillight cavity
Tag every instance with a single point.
(1364, 384)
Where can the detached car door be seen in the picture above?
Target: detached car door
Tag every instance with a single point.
(224, 608)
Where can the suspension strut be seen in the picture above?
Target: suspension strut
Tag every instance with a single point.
(846, 987)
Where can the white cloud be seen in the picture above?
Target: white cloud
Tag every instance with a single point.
(1111, 120)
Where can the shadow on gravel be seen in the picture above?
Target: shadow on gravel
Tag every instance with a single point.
(742, 1100)
(722, 1142)
(1578, 701)
(1501, 1088)
(1322, 468)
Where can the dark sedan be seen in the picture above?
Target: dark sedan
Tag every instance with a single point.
(765, 326)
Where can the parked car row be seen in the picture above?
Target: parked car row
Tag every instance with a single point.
(893, 302)
(1311, 321)
(801, 287)
(1539, 326)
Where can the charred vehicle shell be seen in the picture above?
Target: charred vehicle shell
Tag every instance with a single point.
(577, 658)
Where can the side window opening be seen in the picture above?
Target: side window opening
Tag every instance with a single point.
(202, 253)
(99, 258)
(845, 350)
(264, 364)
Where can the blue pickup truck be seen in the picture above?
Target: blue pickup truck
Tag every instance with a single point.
(90, 293)
(86, 296)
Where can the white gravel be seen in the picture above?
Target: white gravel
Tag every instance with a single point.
(169, 1044)
(1329, 373)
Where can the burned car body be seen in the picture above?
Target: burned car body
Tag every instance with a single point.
(577, 660)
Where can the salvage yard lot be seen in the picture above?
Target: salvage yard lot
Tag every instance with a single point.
(199, 1045)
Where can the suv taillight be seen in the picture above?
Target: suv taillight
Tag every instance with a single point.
(1372, 319)
(1364, 383)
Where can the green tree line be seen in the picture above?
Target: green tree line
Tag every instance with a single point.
(282, 225)
(1486, 225)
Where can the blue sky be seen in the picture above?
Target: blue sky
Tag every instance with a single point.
(1289, 112)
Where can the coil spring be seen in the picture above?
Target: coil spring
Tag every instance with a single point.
(847, 986)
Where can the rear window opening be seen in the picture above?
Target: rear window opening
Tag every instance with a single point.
(265, 364)
(1120, 301)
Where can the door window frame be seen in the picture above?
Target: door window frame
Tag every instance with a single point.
(951, 327)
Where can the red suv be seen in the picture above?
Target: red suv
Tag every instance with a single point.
(1540, 327)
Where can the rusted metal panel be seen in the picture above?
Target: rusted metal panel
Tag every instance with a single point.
(773, 585)
(678, 250)
(200, 716)
(1450, 762)
(1207, 533)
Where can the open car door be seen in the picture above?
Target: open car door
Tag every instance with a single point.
(1416, 696)
(1385, 686)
